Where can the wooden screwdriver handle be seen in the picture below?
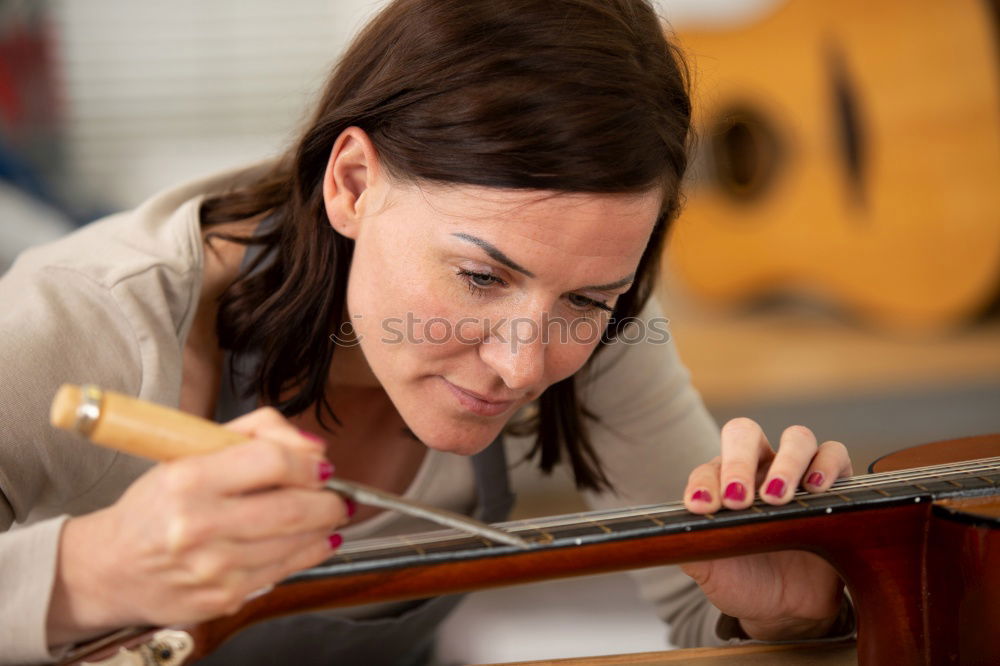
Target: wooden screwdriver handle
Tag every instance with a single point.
(137, 427)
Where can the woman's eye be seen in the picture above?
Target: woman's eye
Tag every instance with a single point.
(584, 303)
(482, 280)
(479, 281)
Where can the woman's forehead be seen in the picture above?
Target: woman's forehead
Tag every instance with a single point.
(580, 223)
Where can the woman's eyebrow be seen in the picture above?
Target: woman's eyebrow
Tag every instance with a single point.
(497, 255)
(617, 284)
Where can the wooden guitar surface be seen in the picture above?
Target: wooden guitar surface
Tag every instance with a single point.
(851, 150)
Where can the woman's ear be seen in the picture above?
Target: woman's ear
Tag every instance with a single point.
(351, 174)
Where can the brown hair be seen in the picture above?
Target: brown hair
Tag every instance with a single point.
(560, 95)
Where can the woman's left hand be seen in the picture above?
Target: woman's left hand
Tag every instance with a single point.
(780, 595)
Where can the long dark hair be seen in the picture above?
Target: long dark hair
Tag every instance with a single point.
(560, 95)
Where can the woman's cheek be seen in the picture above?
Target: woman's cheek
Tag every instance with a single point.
(565, 358)
(468, 331)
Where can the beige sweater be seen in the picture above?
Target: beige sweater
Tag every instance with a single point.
(112, 305)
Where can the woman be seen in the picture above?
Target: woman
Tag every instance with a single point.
(453, 248)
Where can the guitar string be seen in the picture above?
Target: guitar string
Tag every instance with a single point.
(676, 508)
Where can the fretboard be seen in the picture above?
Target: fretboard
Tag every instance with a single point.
(857, 493)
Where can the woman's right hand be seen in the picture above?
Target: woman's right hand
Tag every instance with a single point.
(192, 539)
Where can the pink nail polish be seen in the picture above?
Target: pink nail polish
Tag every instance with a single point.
(325, 470)
(335, 541)
(815, 479)
(701, 496)
(736, 492)
(776, 488)
(352, 506)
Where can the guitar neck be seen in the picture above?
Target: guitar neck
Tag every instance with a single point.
(862, 492)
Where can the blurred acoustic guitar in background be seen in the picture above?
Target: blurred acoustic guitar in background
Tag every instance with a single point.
(849, 150)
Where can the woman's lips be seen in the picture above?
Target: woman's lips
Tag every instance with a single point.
(475, 403)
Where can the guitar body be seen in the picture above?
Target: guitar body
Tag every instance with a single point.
(961, 597)
(849, 150)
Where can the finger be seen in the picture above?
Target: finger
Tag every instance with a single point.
(256, 465)
(702, 492)
(832, 461)
(228, 561)
(281, 512)
(795, 451)
(269, 423)
(315, 440)
(229, 592)
(291, 437)
(316, 553)
(259, 553)
(744, 449)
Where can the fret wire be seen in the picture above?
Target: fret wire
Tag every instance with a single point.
(600, 525)
(938, 477)
(383, 543)
(868, 486)
(655, 521)
(574, 518)
(559, 521)
(548, 537)
(409, 542)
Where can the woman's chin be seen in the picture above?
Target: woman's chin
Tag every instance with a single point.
(465, 442)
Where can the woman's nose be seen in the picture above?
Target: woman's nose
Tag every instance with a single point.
(516, 352)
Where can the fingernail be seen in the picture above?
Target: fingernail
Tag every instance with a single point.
(701, 496)
(736, 492)
(312, 437)
(815, 479)
(335, 541)
(352, 506)
(325, 470)
(776, 488)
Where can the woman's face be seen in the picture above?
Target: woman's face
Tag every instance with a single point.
(467, 302)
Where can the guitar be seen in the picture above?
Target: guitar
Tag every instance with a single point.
(848, 150)
(919, 550)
